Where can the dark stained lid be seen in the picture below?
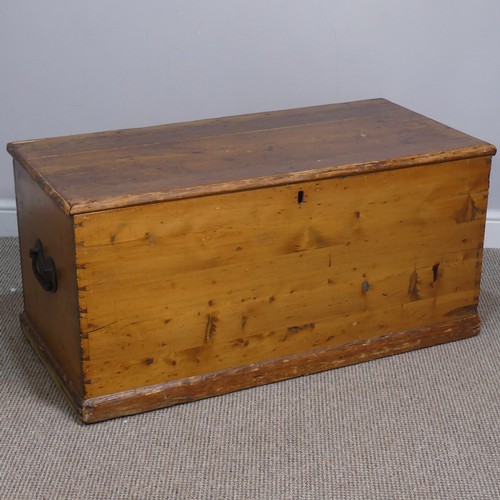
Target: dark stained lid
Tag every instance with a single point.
(105, 170)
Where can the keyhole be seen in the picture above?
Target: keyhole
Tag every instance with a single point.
(435, 269)
(300, 197)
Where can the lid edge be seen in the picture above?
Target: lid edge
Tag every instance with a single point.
(110, 203)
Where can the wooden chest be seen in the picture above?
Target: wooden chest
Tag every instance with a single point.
(167, 264)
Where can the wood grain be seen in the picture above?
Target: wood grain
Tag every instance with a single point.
(58, 372)
(54, 315)
(252, 375)
(183, 288)
(237, 153)
(199, 387)
(200, 258)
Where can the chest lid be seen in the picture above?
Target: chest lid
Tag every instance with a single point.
(99, 171)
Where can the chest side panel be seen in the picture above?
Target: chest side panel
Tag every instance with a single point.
(186, 287)
(50, 318)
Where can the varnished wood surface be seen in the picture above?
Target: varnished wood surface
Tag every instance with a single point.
(333, 235)
(222, 382)
(179, 289)
(57, 371)
(252, 375)
(124, 168)
(54, 315)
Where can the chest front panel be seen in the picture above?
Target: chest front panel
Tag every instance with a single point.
(185, 287)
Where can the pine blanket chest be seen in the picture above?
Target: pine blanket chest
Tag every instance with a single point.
(167, 264)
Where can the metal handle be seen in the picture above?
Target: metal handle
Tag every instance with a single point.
(43, 267)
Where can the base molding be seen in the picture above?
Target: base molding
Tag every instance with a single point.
(166, 394)
(492, 230)
(73, 396)
(8, 217)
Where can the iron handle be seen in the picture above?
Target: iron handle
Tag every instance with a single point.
(43, 268)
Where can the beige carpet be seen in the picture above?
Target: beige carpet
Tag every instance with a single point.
(423, 425)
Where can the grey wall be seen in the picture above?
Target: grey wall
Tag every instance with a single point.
(82, 66)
